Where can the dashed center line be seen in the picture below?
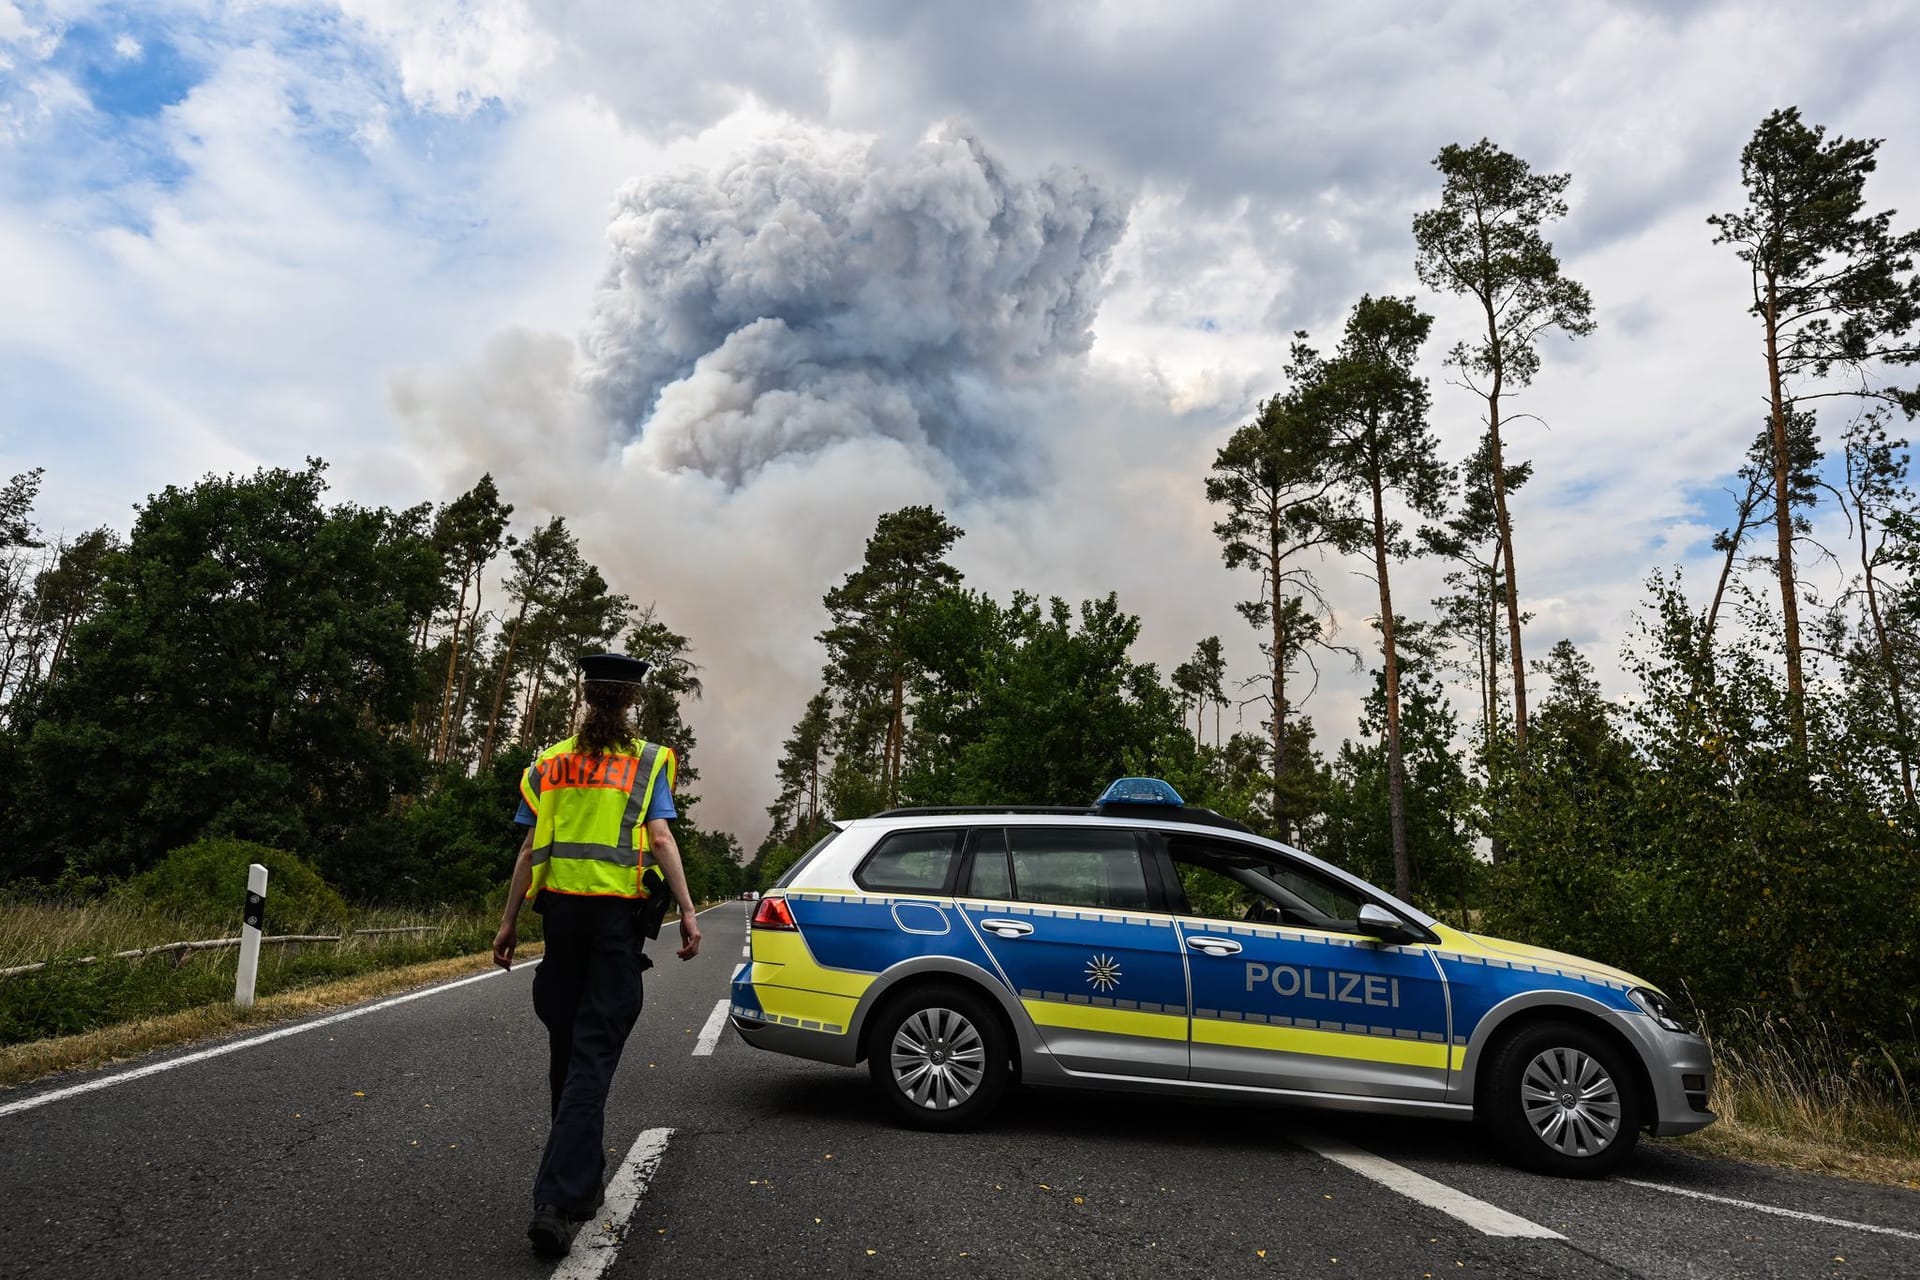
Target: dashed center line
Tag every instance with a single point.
(710, 1034)
(595, 1248)
(1487, 1219)
(1773, 1209)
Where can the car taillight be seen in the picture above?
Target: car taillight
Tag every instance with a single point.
(773, 914)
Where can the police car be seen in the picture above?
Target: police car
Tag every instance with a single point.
(1151, 946)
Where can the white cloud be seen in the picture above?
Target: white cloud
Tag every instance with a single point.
(438, 198)
(455, 55)
(126, 48)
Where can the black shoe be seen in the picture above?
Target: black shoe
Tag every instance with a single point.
(551, 1231)
(587, 1213)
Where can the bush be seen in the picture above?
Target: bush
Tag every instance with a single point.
(206, 883)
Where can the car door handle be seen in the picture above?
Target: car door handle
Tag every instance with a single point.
(1215, 946)
(1007, 928)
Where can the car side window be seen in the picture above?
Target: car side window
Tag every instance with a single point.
(990, 876)
(910, 862)
(1223, 880)
(1078, 867)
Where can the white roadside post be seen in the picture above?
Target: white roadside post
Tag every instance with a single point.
(250, 925)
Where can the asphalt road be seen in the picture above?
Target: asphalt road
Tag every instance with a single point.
(403, 1143)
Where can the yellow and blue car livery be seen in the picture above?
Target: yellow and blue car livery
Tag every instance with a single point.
(1141, 993)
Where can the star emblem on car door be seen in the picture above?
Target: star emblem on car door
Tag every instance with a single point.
(1103, 972)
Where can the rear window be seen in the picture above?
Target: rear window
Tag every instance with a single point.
(910, 862)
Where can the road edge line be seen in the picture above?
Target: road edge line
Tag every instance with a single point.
(1802, 1214)
(593, 1254)
(234, 1046)
(1487, 1219)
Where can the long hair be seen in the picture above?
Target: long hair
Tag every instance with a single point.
(606, 728)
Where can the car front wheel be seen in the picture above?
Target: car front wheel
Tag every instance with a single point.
(939, 1057)
(1561, 1099)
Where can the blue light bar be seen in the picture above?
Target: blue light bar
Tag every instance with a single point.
(1140, 791)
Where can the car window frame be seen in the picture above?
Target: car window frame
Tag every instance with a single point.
(947, 885)
(1175, 899)
(1148, 872)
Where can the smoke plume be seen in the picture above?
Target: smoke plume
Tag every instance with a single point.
(817, 291)
(808, 337)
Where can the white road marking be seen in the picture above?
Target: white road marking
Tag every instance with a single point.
(1773, 1209)
(1485, 1218)
(234, 1046)
(598, 1244)
(710, 1034)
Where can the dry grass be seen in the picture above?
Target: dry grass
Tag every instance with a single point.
(1800, 1098)
(24, 1062)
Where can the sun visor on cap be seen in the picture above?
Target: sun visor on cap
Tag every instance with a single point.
(612, 668)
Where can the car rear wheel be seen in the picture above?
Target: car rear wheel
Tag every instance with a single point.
(939, 1056)
(1562, 1099)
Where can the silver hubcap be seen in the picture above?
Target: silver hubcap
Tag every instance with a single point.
(938, 1059)
(1571, 1102)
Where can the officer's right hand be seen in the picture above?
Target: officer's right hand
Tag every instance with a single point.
(504, 943)
(689, 937)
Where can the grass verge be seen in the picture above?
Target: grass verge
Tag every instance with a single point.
(22, 1063)
(1799, 1097)
(382, 969)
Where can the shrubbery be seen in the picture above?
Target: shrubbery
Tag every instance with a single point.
(206, 883)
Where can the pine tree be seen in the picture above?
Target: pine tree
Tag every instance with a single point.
(1834, 291)
(1372, 409)
(1485, 241)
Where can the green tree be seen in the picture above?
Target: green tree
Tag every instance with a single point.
(1371, 409)
(1017, 704)
(242, 674)
(804, 758)
(867, 659)
(1436, 835)
(1880, 505)
(540, 566)
(1271, 480)
(1485, 242)
(469, 532)
(67, 592)
(1833, 289)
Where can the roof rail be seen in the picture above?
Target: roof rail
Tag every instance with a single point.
(1172, 813)
(934, 811)
(1157, 812)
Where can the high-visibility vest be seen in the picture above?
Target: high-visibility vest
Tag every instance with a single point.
(590, 817)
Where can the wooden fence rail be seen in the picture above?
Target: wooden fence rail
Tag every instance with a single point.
(182, 949)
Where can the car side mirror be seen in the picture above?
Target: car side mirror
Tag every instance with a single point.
(1377, 922)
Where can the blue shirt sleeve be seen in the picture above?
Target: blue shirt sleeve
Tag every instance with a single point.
(660, 803)
(525, 817)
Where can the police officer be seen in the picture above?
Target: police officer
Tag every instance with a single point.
(597, 850)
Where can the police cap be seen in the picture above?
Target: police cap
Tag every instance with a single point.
(612, 668)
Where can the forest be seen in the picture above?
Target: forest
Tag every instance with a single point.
(360, 686)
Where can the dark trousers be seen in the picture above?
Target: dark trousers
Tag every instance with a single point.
(587, 992)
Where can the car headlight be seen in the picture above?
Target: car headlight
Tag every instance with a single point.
(1660, 1009)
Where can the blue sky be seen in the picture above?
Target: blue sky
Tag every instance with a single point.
(237, 234)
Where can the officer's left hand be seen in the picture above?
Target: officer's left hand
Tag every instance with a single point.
(689, 938)
(504, 944)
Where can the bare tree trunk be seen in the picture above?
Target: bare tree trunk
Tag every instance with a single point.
(500, 686)
(896, 733)
(1742, 522)
(453, 655)
(1506, 555)
(1396, 766)
(529, 724)
(1783, 522)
